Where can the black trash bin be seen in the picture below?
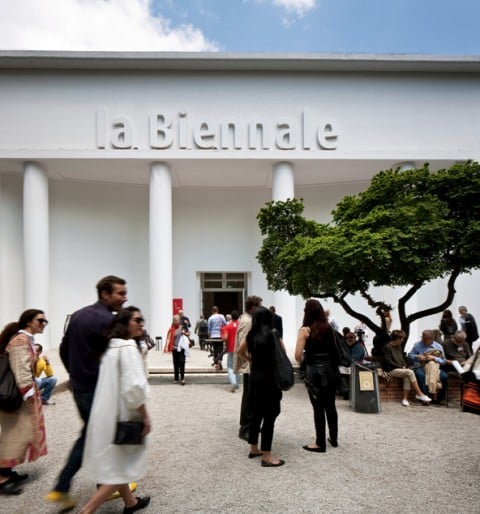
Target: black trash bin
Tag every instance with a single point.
(364, 389)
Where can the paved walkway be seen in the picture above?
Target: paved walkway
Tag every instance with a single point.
(409, 460)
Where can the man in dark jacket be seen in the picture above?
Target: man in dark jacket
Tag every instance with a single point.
(469, 326)
(79, 351)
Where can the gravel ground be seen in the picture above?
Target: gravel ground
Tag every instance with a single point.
(417, 459)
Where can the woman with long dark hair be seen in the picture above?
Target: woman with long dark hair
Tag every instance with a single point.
(448, 326)
(316, 348)
(258, 347)
(22, 434)
(120, 395)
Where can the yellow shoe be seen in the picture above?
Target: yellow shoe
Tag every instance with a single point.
(116, 494)
(64, 499)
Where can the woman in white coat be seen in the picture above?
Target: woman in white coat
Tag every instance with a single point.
(120, 395)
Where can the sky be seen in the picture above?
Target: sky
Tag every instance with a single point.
(448, 27)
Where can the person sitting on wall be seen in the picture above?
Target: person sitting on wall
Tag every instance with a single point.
(355, 348)
(47, 383)
(457, 349)
(394, 365)
(428, 359)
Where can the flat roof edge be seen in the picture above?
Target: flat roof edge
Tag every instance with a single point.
(202, 61)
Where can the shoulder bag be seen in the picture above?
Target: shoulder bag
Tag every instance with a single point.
(282, 369)
(10, 397)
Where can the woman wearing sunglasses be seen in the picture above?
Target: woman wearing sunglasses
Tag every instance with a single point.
(22, 434)
(120, 395)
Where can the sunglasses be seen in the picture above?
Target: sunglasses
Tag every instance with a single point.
(43, 321)
(139, 320)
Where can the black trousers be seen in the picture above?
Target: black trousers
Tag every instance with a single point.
(246, 407)
(324, 406)
(217, 351)
(178, 364)
(265, 398)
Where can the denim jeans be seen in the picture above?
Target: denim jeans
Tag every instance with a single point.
(84, 403)
(233, 378)
(46, 386)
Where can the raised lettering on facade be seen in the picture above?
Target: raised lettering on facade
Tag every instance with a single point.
(184, 132)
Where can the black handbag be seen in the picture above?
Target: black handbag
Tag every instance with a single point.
(129, 432)
(282, 369)
(10, 397)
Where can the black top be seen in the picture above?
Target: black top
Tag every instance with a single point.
(262, 354)
(322, 350)
(81, 344)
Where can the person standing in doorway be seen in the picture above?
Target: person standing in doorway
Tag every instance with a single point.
(79, 351)
(242, 365)
(215, 323)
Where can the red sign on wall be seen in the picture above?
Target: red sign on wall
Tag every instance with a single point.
(177, 305)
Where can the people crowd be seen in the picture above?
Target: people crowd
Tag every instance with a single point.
(104, 350)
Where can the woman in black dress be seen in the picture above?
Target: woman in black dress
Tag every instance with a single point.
(317, 350)
(258, 347)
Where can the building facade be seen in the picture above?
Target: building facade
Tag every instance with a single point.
(154, 167)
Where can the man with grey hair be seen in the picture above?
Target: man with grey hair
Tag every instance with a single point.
(423, 355)
(457, 349)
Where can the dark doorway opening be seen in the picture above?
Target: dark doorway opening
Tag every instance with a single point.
(226, 301)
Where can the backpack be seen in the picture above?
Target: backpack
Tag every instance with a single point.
(10, 397)
(203, 328)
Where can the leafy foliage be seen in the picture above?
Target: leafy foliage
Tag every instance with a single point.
(408, 228)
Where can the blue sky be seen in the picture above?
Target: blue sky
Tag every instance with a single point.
(274, 26)
(385, 26)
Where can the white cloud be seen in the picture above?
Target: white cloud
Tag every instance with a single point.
(103, 25)
(299, 7)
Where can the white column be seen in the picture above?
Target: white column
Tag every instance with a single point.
(36, 237)
(161, 248)
(283, 187)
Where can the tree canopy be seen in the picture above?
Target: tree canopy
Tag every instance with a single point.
(408, 228)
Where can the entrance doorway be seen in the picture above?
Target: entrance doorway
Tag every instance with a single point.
(226, 301)
(226, 290)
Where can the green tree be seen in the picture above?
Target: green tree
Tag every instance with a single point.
(408, 228)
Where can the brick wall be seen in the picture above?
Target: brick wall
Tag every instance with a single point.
(393, 390)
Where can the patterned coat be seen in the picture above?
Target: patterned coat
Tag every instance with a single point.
(22, 436)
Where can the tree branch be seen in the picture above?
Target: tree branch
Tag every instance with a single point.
(404, 322)
(439, 308)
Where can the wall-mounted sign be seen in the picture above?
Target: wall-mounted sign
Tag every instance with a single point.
(182, 131)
